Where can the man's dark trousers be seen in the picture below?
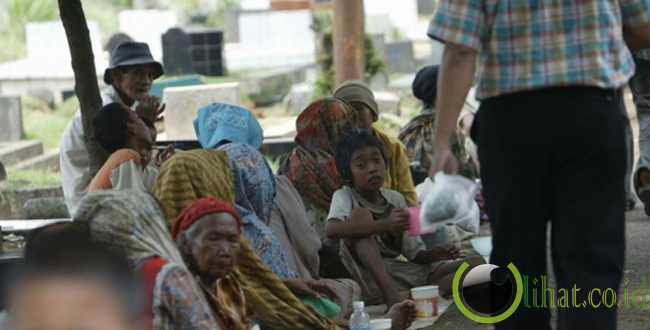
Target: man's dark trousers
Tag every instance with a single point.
(557, 156)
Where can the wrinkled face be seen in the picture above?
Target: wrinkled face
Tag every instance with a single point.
(368, 169)
(215, 246)
(134, 81)
(366, 117)
(57, 303)
(140, 139)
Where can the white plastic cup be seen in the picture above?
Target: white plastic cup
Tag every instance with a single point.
(426, 301)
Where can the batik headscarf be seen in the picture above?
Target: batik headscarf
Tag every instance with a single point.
(220, 123)
(311, 166)
(191, 175)
(254, 195)
(131, 221)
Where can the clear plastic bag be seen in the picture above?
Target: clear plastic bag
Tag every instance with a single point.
(449, 200)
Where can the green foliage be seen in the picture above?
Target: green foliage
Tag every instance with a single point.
(44, 124)
(28, 179)
(21, 11)
(216, 16)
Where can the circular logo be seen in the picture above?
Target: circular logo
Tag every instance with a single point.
(487, 293)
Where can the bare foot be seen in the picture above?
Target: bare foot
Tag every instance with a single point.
(402, 315)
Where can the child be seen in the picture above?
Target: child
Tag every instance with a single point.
(372, 222)
(127, 137)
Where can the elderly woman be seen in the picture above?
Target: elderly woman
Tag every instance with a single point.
(207, 173)
(362, 100)
(220, 123)
(131, 221)
(208, 235)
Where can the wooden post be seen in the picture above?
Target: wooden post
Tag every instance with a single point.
(85, 76)
(348, 35)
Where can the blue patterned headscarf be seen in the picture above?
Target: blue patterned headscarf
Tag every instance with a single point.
(254, 196)
(220, 123)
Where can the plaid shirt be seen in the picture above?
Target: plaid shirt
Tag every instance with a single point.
(532, 44)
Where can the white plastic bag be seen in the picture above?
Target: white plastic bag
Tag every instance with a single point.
(449, 200)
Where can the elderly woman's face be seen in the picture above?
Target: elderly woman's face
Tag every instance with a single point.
(216, 244)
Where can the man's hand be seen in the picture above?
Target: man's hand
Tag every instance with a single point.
(398, 221)
(443, 160)
(149, 108)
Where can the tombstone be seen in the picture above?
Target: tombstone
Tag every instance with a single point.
(42, 94)
(11, 119)
(207, 52)
(400, 57)
(388, 102)
(231, 25)
(177, 56)
(426, 7)
(299, 97)
(183, 104)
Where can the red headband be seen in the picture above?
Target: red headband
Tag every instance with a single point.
(198, 209)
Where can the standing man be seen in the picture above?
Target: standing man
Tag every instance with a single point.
(130, 75)
(551, 137)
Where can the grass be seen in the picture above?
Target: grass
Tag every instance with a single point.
(47, 125)
(28, 179)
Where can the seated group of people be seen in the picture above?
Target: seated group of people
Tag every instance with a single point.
(221, 242)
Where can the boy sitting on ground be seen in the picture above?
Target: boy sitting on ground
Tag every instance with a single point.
(129, 140)
(373, 224)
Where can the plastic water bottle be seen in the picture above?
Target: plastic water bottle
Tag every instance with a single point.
(359, 319)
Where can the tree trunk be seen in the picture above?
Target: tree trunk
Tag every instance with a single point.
(85, 76)
(348, 34)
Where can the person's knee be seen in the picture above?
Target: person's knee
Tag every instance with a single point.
(361, 215)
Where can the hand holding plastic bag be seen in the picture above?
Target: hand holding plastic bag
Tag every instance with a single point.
(449, 200)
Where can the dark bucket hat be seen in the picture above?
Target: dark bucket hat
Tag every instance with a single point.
(131, 53)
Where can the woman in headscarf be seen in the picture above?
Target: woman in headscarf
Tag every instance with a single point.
(311, 166)
(418, 134)
(207, 233)
(220, 123)
(362, 100)
(194, 174)
(261, 198)
(130, 221)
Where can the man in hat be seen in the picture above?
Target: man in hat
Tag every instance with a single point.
(129, 77)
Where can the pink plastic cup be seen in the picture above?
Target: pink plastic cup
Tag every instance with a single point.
(415, 227)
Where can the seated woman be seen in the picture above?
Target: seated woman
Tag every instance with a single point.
(362, 100)
(129, 140)
(130, 221)
(208, 236)
(311, 166)
(236, 131)
(417, 135)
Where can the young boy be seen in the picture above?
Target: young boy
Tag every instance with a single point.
(128, 138)
(372, 222)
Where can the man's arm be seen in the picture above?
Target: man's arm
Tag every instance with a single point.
(454, 81)
(637, 37)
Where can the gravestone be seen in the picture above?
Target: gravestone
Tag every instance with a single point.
(177, 56)
(11, 119)
(207, 52)
(388, 102)
(183, 104)
(400, 57)
(299, 97)
(148, 26)
(231, 23)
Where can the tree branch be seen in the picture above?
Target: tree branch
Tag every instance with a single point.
(85, 76)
